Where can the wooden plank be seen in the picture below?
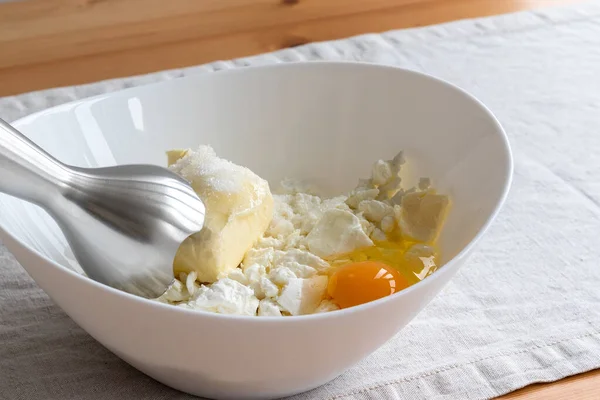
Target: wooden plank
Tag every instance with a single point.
(579, 387)
(50, 30)
(156, 54)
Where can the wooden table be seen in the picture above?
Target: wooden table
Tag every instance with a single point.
(48, 43)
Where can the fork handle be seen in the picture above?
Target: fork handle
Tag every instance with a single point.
(27, 171)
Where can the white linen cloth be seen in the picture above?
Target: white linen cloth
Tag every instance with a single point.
(525, 309)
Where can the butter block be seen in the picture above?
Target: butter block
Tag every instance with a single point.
(239, 208)
(422, 215)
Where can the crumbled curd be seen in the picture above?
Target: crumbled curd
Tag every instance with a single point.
(275, 255)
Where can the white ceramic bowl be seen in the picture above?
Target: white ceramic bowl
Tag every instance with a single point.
(323, 121)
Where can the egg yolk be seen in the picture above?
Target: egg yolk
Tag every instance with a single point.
(361, 282)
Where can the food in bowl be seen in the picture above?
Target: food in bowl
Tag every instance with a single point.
(295, 252)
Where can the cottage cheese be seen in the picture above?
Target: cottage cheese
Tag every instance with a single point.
(337, 232)
(283, 269)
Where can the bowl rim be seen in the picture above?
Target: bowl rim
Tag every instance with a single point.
(508, 173)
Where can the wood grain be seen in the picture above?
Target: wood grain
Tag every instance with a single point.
(48, 43)
(579, 387)
(43, 42)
